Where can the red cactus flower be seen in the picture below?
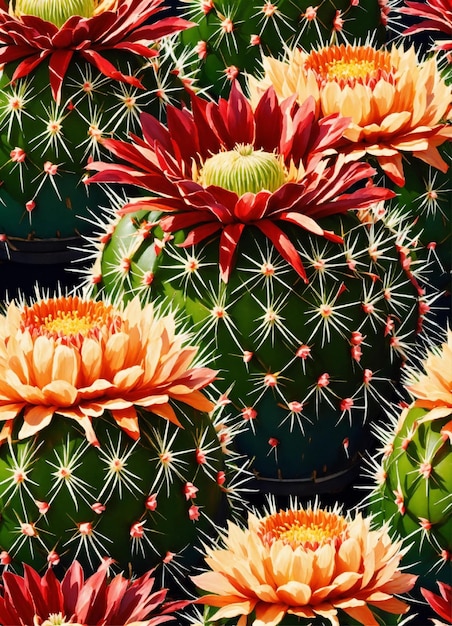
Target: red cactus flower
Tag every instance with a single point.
(221, 167)
(43, 601)
(129, 26)
(435, 15)
(441, 604)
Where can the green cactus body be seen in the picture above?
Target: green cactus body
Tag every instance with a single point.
(230, 37)
(142, 504)
(44, 146)
(305, 367)
(413, 494)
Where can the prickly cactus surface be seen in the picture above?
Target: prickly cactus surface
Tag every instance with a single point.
(230, 37)
(413, 493)
(305, 367)
(141, 503)
(49, 130)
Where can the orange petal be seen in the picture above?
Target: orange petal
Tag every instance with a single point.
(59, 393)
(35, 419)
(127, 419)
(294, 593)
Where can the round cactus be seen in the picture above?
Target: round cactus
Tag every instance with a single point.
(58, 99)
(413, 479)
(292, 314)
(108, 450)
(230, 37)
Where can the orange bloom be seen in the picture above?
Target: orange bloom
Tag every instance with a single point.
(308, 563)
(433, 388)
(78, 358)
(397, 104)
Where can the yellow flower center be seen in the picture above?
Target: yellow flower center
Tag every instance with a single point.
(58, 11)
(55, 619)
(350, 64)
(344, 69)
(68, 319)
(243, 170)
(307, 528)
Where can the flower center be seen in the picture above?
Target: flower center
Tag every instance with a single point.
(68, 319)
(309, 529)
(55, 11)
(350, 64)
(243, 170)
(55, 619)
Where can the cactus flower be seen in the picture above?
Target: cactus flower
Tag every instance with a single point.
(45, 601)
(435, 15)
(222, 167)
(57, 31)
(305, 562)
(432, 389)
(441, 604)
(78, 358)
(397, 104)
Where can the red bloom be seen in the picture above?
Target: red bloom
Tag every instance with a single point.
(172, 161)
(31, 40)
(34, 600)
(442, 605)
(435, 15)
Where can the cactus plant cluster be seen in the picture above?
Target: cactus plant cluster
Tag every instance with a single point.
(62, 89)
(293, 334)
(230, 37)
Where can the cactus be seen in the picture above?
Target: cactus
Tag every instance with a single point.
(412, 482)
(132, 471)
(51, 126)
(294, 319)
(230, 37)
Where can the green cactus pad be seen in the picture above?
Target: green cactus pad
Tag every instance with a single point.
(142, 504)
(413, 494)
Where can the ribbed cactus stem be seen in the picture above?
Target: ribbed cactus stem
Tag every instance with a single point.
(55, 11)
(244, 170)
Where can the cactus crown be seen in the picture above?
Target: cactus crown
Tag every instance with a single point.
(243, 170)
(54, 11)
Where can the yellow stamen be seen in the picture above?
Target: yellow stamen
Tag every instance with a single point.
(303, 528)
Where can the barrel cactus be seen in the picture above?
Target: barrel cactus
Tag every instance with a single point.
(230, 37)
(300, 292)
(108, 448)
(72, 72)
(413, 482)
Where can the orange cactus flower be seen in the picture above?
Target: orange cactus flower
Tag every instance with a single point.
(306, 563)
(433, 388)
(397, 104)
(79, 357)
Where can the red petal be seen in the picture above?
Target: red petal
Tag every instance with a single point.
(71, 585)
(283, 245)
(229, 240)
(307, 223)
(440, 605)
(200, 233)
(251, 207)
(106, 68)
(58, 65)
(240, 118)
(268, 122)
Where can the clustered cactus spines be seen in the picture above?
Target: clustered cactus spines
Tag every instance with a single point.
(296, 361)
(49, 130)
(413, 493)
(142, 504)
(230, 37)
